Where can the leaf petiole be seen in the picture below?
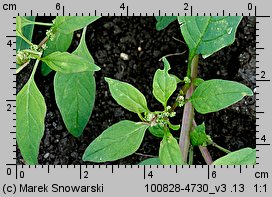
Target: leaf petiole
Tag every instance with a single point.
(221, 148)
(34, 68)
(36, 53)
(43, 24)
(21, 67)
(141, 117)
(24, 38)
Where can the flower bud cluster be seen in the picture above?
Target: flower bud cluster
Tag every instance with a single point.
(50, 34)
(187, 80)
(181, 101)
(22, 57)
(34, 47)
(160, 118)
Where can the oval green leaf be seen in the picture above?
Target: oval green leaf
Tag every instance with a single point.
(127, 96)
(60, 43)
(151, 161)
(30, 115)
(118, 141)
(68, 63)
(245, 156)
(75, 96)
(164, 85)
(216, 94)
(164, 21)
(207, 34)
(169, 152)
(75, 93)
(157, 131)
(69, 24)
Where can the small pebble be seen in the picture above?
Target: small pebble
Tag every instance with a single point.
(46, 155)
(139, 49)
(124, 56)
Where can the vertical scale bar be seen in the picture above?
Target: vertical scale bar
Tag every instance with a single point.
(256, 85)
(260, 135)
(11, 102)
(15, 85)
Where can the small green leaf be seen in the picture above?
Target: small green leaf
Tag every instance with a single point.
(216, 94)
(199, 137)
(127, 96)
(150, 161)
(164, 85)
(68, 63)
(118, 141)
(245, 156)
(60, 43)
(207, 34)
(198, 81)
(178, 80)
(69, 24)
(174, 127)
(164, 21)
(75, 93)
(82, 49)
(157, 131)
(30, 114)
(169, 152)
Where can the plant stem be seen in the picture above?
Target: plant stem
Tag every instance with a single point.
(191, 155)
(141, 117)
(34, 68)
(24, 38)
(44, 24)
(21, 67)
(204, 151)
(206, 154)
(43, 42)
(173, 54)
(145, 155)
(221, 148)
(188, 113)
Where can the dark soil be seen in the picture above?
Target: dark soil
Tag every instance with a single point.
(232, 128)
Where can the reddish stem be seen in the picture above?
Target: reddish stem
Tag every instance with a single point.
(188, 113)
(204, 151)
(206, 154)
(187, 118)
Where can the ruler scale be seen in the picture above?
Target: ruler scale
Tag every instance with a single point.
(134, 180)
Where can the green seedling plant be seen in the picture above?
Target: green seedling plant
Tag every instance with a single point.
(74, 83)
(203, 36)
